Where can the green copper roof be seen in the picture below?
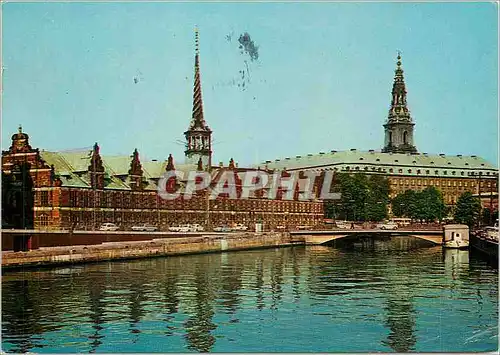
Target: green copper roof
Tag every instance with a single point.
(388, 163)
(72, 167)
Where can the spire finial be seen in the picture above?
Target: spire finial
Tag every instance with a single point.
(196, 40)
(399, 59)
(20, 128)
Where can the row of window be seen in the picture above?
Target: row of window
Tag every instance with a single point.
(79, 198)
(443, 183)
(410, 171)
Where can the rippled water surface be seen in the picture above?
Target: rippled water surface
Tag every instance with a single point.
(302, 299)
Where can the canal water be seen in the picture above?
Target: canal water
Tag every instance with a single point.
(389, 295)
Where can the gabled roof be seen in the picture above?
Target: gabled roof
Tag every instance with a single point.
(72, 168)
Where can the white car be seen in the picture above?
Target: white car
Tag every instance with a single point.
(145, 227)
(388, 225)
(108, 227)
(240, 227)
(222, 229)
(181, 228)
(196, 228)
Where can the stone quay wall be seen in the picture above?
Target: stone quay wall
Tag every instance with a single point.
(204, 243)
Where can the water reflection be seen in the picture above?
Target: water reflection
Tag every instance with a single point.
(308, 298)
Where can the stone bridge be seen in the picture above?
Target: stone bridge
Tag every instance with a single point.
(327, 236)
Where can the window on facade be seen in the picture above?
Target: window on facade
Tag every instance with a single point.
(390, 170)
(409, 171)
(44, 198)
(445, 172)
(400, 171)
(44, 219)
(427, 172)
(418, 171)
(436, 172)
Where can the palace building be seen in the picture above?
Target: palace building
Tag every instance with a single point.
(399, 160)
(83, 189)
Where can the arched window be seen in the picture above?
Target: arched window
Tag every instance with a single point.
(405, 137)
(390, 138)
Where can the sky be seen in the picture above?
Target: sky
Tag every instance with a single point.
(319, 79)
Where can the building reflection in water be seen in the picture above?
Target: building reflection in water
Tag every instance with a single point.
(199, 324)
(189, 298)
(400, 317)
(96, 291)
(23, 316)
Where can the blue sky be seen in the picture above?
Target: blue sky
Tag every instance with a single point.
(322, 80)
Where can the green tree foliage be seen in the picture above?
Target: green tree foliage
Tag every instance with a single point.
(468, 209)
(488, 218)
(363, 198)
(405, 204)
(426, 205)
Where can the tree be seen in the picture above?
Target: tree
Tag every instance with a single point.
(468, 209)
(427, 205)
(405, 204)
(378, 198)
(363, 198)
(430, 204)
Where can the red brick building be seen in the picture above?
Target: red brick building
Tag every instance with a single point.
(83, 189)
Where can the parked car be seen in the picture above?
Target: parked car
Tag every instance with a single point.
(222, 229)
(240, 227)
(196, 228)
(180, 228)
(108, 227)
(387, 225)
(343, 225)
(145, 227)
